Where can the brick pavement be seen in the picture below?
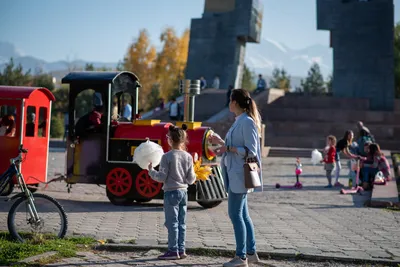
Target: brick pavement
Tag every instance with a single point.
(312, 221)
(149, 258)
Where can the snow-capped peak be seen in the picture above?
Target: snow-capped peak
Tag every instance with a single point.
(278, 45)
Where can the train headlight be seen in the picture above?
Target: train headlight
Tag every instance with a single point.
(208, 147)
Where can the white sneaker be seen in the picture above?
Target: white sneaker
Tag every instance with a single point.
(236, 262)
(253, 258)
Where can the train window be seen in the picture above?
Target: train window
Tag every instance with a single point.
(30, 121)
(126, 107)
(42, 128)
(85, 101)
(7, 120)
(114, 110)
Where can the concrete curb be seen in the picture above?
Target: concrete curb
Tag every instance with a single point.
(262, 254)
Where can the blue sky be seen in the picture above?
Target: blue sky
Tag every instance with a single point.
(101, 30)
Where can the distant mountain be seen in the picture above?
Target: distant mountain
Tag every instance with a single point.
(261, 58)
(267, 55)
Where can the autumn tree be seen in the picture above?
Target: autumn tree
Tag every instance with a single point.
(280, 79)
(140, 59)
(167, 67)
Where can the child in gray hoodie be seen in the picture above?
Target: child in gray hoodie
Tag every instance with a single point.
(176, 172)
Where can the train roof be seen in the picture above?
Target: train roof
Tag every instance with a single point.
(22, 92)
(95, 76)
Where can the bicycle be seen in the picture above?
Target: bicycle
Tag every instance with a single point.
(36, 223)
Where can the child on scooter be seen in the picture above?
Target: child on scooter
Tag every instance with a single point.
(329, 158)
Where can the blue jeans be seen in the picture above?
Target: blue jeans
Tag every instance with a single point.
(338, 166)
(368, 172)
(175, 209)
(242, 224)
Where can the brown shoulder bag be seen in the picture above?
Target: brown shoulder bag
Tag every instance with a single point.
(251, 171)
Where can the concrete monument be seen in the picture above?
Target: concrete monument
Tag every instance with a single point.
(362, 40)
(218, 40)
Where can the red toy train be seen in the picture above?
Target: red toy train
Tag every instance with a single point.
(102, 152)
(24, 119)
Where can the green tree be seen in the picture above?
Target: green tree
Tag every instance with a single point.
(14, 75)
(280, 79)
(56, 127)
(397, 58)
(89, 67)
(314, 82)
(329, 84)
(43, 80)
(248, 79)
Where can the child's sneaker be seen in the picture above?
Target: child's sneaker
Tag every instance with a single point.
(182, 255)
(337, 184)
(169, 255)
(253, 258)
(328, 186)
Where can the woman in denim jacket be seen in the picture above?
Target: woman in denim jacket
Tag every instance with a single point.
(243, 135)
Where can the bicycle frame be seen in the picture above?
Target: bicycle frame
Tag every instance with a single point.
(8, 175)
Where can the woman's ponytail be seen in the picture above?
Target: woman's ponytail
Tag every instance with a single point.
(254, 114)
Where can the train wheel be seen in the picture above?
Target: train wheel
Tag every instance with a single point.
(119, 184)
(142, 200)
(147, 187)
(119, 201)
(209, 204)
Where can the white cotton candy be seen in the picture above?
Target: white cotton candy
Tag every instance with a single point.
(316, 157)
(146, 153)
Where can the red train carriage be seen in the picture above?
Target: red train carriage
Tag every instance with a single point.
(24, 119)
(104, 131)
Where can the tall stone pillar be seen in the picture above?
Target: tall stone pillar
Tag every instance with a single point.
(218, 40)
(362, 41)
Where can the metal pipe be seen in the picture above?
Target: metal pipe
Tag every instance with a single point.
(186, 107)
(189, 88)
(191, 108)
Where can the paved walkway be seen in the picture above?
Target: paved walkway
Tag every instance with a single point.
(149, 258)
(313, 221)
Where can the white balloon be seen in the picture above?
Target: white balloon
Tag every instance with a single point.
(316, 157)
(146, 153)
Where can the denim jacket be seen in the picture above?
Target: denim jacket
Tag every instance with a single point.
(243, 133)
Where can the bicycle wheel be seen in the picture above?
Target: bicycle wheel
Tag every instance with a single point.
(52, 223)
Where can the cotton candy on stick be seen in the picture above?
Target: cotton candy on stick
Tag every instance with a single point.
(316, 157)
(146, 153)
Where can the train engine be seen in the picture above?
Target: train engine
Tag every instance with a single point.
(105, 129)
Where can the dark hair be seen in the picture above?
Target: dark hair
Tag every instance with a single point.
(243, 99)
(374, 148)
(8, 121)
(178, 135)
(346, 136)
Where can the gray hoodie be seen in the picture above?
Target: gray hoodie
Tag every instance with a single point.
(176, 170)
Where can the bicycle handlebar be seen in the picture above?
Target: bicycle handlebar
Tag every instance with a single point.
(22, 149)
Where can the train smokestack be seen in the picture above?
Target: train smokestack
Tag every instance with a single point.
(189, 89)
